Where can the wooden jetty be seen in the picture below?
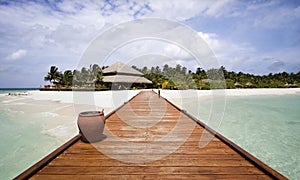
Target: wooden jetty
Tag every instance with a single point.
(150, 138)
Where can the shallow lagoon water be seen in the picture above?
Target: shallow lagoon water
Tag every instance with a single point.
(27, 134)
(267, 126)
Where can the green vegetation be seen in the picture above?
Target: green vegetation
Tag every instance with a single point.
(53, 75)
(169, 77)
(177, 77)
(85, 79)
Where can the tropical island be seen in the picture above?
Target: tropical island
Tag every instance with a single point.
(121, 76)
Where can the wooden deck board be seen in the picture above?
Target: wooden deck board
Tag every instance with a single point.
(151, 177)
(174, 170)
(138, 131)
(69, 162)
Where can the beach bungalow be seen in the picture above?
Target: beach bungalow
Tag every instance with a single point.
(238, 85)
(287, 85)
(122, 76)
(249, 85)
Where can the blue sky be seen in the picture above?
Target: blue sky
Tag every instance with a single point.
(258, 37)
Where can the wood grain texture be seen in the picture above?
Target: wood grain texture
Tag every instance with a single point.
(149, 138)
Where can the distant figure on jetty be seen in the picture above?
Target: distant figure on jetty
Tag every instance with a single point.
(158, 93)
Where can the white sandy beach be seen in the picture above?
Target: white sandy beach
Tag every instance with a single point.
(59, 110)
(176, 96)
(231, 92)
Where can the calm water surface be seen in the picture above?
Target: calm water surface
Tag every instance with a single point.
(266, 126)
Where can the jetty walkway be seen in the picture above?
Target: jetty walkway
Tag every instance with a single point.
(150, 138)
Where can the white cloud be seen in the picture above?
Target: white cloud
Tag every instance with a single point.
(230, 54)
(69, 6)
(282, 17)
(212, 40)
(75, 24)
(174, 51)
(149, 48)
(255, 5)
(59, 32)
(223, 47)
(271, 20)
(182, 10)
(218, 8)
(17, 55)
(178, 9)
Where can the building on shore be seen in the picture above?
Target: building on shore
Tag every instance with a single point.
(122, 76)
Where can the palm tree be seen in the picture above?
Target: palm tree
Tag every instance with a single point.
(99, 77)
(67, 78)
(53, 75)
(96, 73)
(84, 75)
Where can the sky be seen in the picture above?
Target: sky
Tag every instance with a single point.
(257, 37)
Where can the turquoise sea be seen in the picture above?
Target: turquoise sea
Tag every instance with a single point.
(23, 139)
(16, 90)
(266, 126)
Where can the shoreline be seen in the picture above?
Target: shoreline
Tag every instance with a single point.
(252, 90)
(175, 94)
(68, 105)
(68, 96)
(58, 111)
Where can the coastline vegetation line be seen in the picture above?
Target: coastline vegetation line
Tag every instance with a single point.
(167, 77)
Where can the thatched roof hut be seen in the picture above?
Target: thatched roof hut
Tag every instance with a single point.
(238, 85)
(126, 79)
(249, 84)
(290, 85)
(121, 68)
(122, 73)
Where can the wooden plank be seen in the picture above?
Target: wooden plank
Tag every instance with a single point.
(154, 132)
(171, 156)
(150, 170)
(176, 157)
(167, 145)
(151, 177)
(150, 152)
(196, 162)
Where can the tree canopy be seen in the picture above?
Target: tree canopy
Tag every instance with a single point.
(178, 77)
